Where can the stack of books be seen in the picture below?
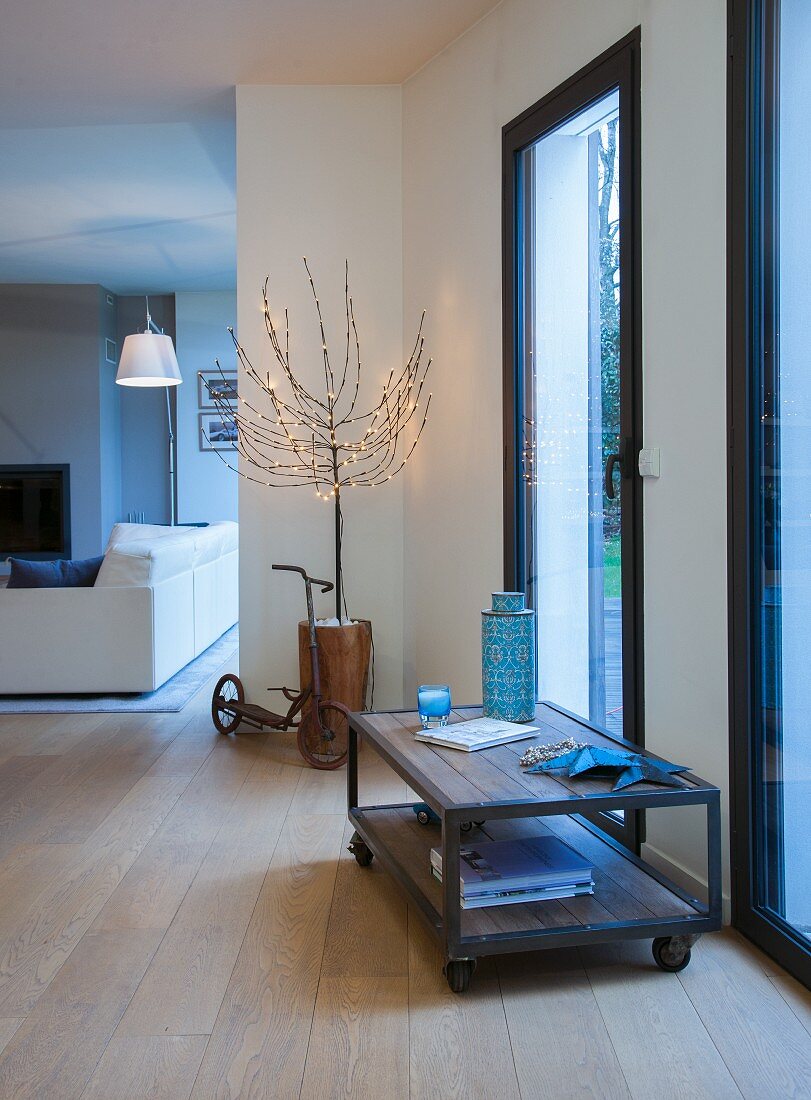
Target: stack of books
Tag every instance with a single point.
(511, 872)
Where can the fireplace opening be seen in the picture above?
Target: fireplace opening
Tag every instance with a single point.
(35, 512)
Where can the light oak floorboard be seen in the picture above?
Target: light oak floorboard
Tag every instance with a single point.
(24, 874)
(183, 988)
(767, 1051)
(127, 839)
(60, 734)
(459, 1045)
(279, 749)
(153, 889)
(22, 816)
(320, 792)
(368, 929)
(7, 1029)
(66, 908)
(147, 1068)
(53, 1054)
(259, 1043)
(359, 1040)
(660, 1041)
(189, 750)
(559, 1040)
(89, 803)
(18, 771)
(796, 996)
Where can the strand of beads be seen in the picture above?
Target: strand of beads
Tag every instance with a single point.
(539, 754)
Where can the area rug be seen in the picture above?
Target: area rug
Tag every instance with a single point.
(172, 696)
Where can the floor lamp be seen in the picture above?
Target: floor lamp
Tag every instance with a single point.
(148, 359)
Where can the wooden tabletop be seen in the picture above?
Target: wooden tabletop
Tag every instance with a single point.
(452, 778)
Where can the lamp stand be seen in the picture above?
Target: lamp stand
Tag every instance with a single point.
(172, 484)
(152, 327)
(149, 359)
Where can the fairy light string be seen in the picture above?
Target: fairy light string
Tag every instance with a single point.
(288, 434)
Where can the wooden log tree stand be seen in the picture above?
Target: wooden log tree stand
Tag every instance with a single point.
(344, 657)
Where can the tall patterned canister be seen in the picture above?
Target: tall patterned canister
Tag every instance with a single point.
(508, 659)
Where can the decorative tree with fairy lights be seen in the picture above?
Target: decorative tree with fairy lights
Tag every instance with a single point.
(291, 435)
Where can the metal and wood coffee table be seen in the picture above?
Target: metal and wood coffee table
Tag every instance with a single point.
(631, 899)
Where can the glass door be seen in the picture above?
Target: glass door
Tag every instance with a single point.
(770, 371)
(572, 411)
(573, 532)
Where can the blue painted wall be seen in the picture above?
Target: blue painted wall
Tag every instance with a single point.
(60, 403)
(207, 489)
(51, 382)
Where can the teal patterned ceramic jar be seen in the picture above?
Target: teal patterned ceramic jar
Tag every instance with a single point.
(508, 659)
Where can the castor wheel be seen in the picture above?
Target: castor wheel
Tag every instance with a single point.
(459, 972)
(466, 826)
(360, 850)
(672, 953)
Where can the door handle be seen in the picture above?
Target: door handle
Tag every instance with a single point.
(619, 459)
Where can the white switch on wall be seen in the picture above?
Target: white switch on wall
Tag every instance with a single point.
(649, 462)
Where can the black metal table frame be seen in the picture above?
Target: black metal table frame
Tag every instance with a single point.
(448, 929)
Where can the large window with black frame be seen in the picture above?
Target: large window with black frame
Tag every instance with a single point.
(572, 388)
(770, 474)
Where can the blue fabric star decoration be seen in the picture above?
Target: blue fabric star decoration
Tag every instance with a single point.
(629, 767)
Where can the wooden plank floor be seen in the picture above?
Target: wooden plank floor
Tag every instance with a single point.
(179, 918)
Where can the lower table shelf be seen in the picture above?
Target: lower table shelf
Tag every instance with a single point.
(630, 900)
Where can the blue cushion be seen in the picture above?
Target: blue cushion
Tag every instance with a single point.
(54, 574)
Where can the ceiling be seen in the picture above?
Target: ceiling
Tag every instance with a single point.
(117, 130)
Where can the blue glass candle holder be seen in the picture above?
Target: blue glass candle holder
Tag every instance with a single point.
(434, 705)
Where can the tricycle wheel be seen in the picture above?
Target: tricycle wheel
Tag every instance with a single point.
(360, 850)
(229, 689)
(668, 956)
(459, 972)
(325, 745)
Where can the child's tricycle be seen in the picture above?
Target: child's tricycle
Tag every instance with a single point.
(323, 729)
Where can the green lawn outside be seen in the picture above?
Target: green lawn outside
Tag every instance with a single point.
(612, 580)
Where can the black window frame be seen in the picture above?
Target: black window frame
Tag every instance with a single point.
(752, 296)
(618, 67)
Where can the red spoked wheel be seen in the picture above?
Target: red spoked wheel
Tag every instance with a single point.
(229, 689)
(325, 745)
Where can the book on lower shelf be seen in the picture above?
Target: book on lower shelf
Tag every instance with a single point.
(478, 733)
(509, 872)
(519, 897)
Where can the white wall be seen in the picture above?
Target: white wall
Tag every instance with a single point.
(206, 488)
(319, 174)
(453, 111)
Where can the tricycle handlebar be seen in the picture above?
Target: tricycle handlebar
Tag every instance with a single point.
(325, 586)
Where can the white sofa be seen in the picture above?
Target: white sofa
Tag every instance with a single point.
(162, 596)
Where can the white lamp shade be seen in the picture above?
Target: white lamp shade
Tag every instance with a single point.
(148, 359)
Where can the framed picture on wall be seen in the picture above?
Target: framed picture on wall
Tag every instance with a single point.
(213, 384)
(217, 433)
